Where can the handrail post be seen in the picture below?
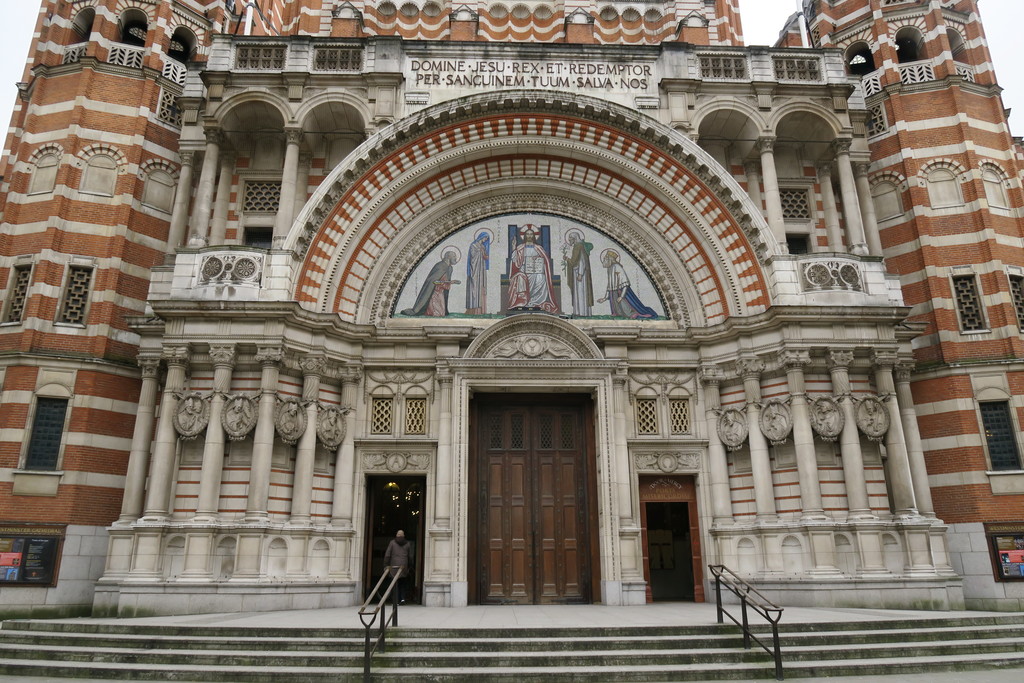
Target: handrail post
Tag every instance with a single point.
(366, 655)
(778, 652)
(718, 595)
(746, 624)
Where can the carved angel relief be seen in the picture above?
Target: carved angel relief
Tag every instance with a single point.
(872, 418)
(776, 422)
(290, 420)
(732, 428)
(330, 426)
(827, 419)
(239, 416)
(192, 415)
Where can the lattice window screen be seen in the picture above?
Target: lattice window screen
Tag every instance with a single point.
(382, 416)
(1000, 435)
(795, 204)
(167, 109)
(797, 69)
(679, 415)
(260, 57)
(76, 296)
(337, 59)
(968, 303)
(415, 416)
(723, 66)
(1017, 294)
(19, 293)
(261, 196)
(876, 122)
(646, 416)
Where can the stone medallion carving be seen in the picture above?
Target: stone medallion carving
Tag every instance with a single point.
(872, 417)
(290, 421)
(396, 461)
(330, 427)
(776, 422)
(239, 416)
(667, 462)
(532, 346)
(827, 419)
(732, 428)
(533, 337)
(192, 415)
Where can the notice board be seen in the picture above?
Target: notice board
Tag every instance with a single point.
(30, 554)
(1007, 542)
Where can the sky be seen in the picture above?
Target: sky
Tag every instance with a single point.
(762, 21)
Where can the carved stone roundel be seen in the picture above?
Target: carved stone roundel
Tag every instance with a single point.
(873, 418)
(290, 420)
(776, 422)
(330, 427)
(827, 419)
(192, 415)
(239, 416)
(732, 428)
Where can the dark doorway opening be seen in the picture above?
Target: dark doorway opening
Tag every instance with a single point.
(394, 503)
(673, 562)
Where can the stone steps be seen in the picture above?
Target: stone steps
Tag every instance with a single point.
(123, 651)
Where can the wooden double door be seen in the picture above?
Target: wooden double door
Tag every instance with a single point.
(533, 504)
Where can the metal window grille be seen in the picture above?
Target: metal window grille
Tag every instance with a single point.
(876, 120)
(337, 59)
(568, 433)
(517, 433)
(76, 295)
(1017, 295)
(167, 109)
(546, 430)
(47, 432)
(381, 415)
(18, 296)
(261, 196)
(723, 66)
(797, 69)
(999, 433)
(795, 204)
(415, 416)
(260, 57)
(646, 416)
(679, 415)
(968, 303)
(497, 433)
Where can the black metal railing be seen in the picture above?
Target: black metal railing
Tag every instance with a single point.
(752, 599)
(371, 611)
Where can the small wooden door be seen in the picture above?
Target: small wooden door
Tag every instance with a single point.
(532, 477)
(673, 564)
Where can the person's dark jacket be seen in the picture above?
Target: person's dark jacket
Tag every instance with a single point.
(397, 555)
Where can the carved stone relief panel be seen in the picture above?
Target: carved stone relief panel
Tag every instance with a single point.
(396, 461)
(667, 462)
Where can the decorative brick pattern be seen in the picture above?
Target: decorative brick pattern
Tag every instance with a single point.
(968, 303)
(18, 295)
(76, 295)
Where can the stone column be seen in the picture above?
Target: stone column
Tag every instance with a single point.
(620, 458)
(182, 195)
(851, 203)
(915, 450)
(286, 206)
(301, 185)
(760, 463)
(345, 465)
(828, 199)
(219, 228)
(263, 440)
(313, 368)
(213, 452)
(142, 439)
(867, 208)
(207, 178)
(849, 440)
(443, 473)
(165, 449)
(803, 436)
(754, 186)
(721, 494)
(895, 443)
(772, 197)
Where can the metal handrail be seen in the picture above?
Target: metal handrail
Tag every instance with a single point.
(369, 612)
(749, 596)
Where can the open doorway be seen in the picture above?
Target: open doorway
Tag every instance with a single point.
(673, 565)
(392, 504)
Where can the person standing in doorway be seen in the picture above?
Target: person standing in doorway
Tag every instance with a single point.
(396, 557)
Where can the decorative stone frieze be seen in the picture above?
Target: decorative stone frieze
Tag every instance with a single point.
(235, 268)
(817, 275)
(239, 416)
(290, 421)
(532, 346)
(396, 461)
(192, 415)
(872, 417)
(667, 462)
(776, 421)
(732, 428)
(827, 418)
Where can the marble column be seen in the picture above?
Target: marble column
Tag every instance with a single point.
(721, 494)
(289, 173)
(867, 208)
(313, 368)
(900, 478)
(161, 473)
(915, 450)
(207, 179)
(828, 199)
(223, 357)
(263, 440)
(622, 477)
(754, 186)
(182, 195)
(849, 440)
(760, 462)
(142, 439)
(443, 474)
(219, 227)
(345, 464)
(851, 203)
(301, 184)
(803, 436)
(772, 197)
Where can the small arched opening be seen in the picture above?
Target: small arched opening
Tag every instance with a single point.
(182, 46)
(81, 27)
(909, 45)
(859, 59)
(957, 46)
(134, 26)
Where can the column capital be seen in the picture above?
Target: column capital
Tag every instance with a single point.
(795, 359)
(176, 355)
(766, 143)
(293, 136)
(842, 145)
(187, 157)
(884, 359)
(269, 355)
(313, 365)
(750, 368)
(214, 136)
(751, 167)
(839, 359)
(150, 365)
(904, 369)
(861, 168)
(711, 375)
(824, 168)
(351, 374)
(223, 355)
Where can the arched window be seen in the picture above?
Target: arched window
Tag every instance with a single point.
(44, 176)
(159, 190)
(134, 26)
(859, 60)
(182, 45)
(957, 46)
(82, 26)
(909, 45)
(995, 189)
(100, 175)
(886, 196)
(944, 188)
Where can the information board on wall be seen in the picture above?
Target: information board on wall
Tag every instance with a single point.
(1007, 541)
(29, 554)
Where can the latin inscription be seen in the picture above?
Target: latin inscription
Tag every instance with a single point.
(505, 73)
